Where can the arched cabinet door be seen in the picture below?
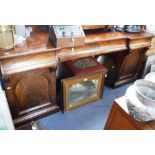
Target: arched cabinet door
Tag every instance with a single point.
(133, 64)
(31, 93)
(130, 65)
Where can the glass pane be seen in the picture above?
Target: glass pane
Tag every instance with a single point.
(81, 91)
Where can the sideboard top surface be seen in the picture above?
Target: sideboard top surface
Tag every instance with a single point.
(39, 42)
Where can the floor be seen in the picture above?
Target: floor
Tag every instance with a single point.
(89, 117)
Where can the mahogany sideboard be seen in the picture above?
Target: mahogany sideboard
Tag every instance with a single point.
(120, 119)
(29, 70)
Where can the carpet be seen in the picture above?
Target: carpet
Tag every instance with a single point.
(89, 117)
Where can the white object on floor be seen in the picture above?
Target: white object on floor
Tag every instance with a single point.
(35, 125)
(6, 122)
(150, 77)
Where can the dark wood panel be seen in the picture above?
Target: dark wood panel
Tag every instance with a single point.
(129, 65)
(31, 91)
(25, 90)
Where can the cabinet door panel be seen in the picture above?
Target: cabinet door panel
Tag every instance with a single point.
(130, 65)
(31, 92)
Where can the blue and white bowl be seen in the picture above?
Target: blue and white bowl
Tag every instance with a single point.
(138, 110)
(145, 91)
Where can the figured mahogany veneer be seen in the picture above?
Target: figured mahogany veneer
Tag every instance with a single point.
(28, 70)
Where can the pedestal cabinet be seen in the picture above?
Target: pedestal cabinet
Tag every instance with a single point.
(130, 65)
(30, 87)
(131, 62)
